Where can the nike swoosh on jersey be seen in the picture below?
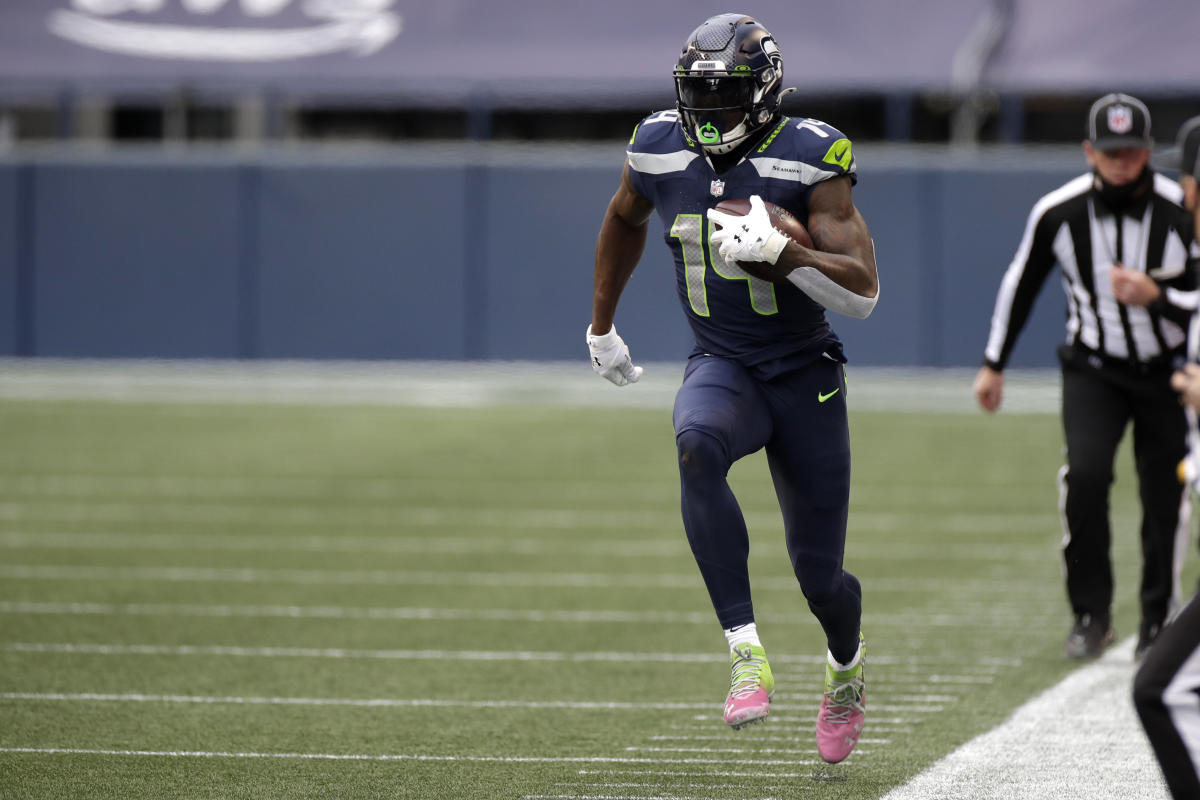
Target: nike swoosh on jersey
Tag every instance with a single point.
(821, 398)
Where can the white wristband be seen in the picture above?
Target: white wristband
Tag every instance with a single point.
(604, 339)
(773, 247)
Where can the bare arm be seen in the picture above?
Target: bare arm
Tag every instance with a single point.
(618, 250)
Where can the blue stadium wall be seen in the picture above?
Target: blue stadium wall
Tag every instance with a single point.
(451, 253)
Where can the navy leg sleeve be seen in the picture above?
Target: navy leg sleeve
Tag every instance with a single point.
(809, 456)
(719, 417)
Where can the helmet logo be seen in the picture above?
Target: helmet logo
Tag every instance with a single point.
(708, 133)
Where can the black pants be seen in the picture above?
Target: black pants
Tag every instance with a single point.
(1098, 403)
(1165, 696)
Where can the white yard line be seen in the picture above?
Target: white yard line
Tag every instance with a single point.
(370, 702)
(689, 582)
(582, 617)
(88, 751)
(98, 649)
(1078, 740)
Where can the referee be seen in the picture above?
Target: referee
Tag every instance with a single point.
(1165, 686)
(1120, 238)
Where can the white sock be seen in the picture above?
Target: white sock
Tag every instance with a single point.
(837, 667)
(742, 634)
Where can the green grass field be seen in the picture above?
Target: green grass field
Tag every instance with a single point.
(240, 601)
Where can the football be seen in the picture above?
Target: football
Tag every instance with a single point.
(783, 220)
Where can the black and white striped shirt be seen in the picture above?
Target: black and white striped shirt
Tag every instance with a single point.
(1071, 228)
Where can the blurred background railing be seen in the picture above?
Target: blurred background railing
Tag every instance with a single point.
(360, 178)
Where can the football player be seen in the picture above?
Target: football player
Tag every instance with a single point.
(766, 370)
(1166, 684)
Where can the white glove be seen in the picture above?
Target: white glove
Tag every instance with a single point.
(748, 238)
(610, 357)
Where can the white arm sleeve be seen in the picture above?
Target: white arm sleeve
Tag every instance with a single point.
(816, 285)
(813, 283)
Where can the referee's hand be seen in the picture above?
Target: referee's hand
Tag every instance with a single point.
(1131, 287)
(989, 388)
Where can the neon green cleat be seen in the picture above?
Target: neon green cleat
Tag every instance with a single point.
(751, 685)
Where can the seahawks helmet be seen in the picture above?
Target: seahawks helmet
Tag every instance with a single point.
(727, 81)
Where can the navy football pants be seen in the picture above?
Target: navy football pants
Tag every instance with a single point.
(722, 413)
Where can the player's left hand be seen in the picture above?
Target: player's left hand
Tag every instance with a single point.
(748, 238)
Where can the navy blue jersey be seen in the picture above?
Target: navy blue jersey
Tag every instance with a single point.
(733, 314)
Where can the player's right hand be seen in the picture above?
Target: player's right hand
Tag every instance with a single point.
(610, 357)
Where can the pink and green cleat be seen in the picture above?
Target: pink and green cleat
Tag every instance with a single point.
(843, 708)
(751, 685)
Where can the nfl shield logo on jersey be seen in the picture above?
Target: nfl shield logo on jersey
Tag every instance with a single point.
(1120, 119)
(717, 188)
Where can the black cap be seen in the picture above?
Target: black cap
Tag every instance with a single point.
(1118, 120)
(1183, 155)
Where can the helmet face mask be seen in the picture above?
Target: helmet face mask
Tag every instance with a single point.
(727, 81)
(715, 110)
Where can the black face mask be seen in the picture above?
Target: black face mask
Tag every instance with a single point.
(1124, 198)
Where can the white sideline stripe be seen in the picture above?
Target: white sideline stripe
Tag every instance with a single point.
(1078, 740)
(88, 751)
(91, 648)
(465, 384)
(656, 580)
(467, 614)
(371, 702)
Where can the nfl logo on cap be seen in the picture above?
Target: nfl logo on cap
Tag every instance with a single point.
(1120, 119)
